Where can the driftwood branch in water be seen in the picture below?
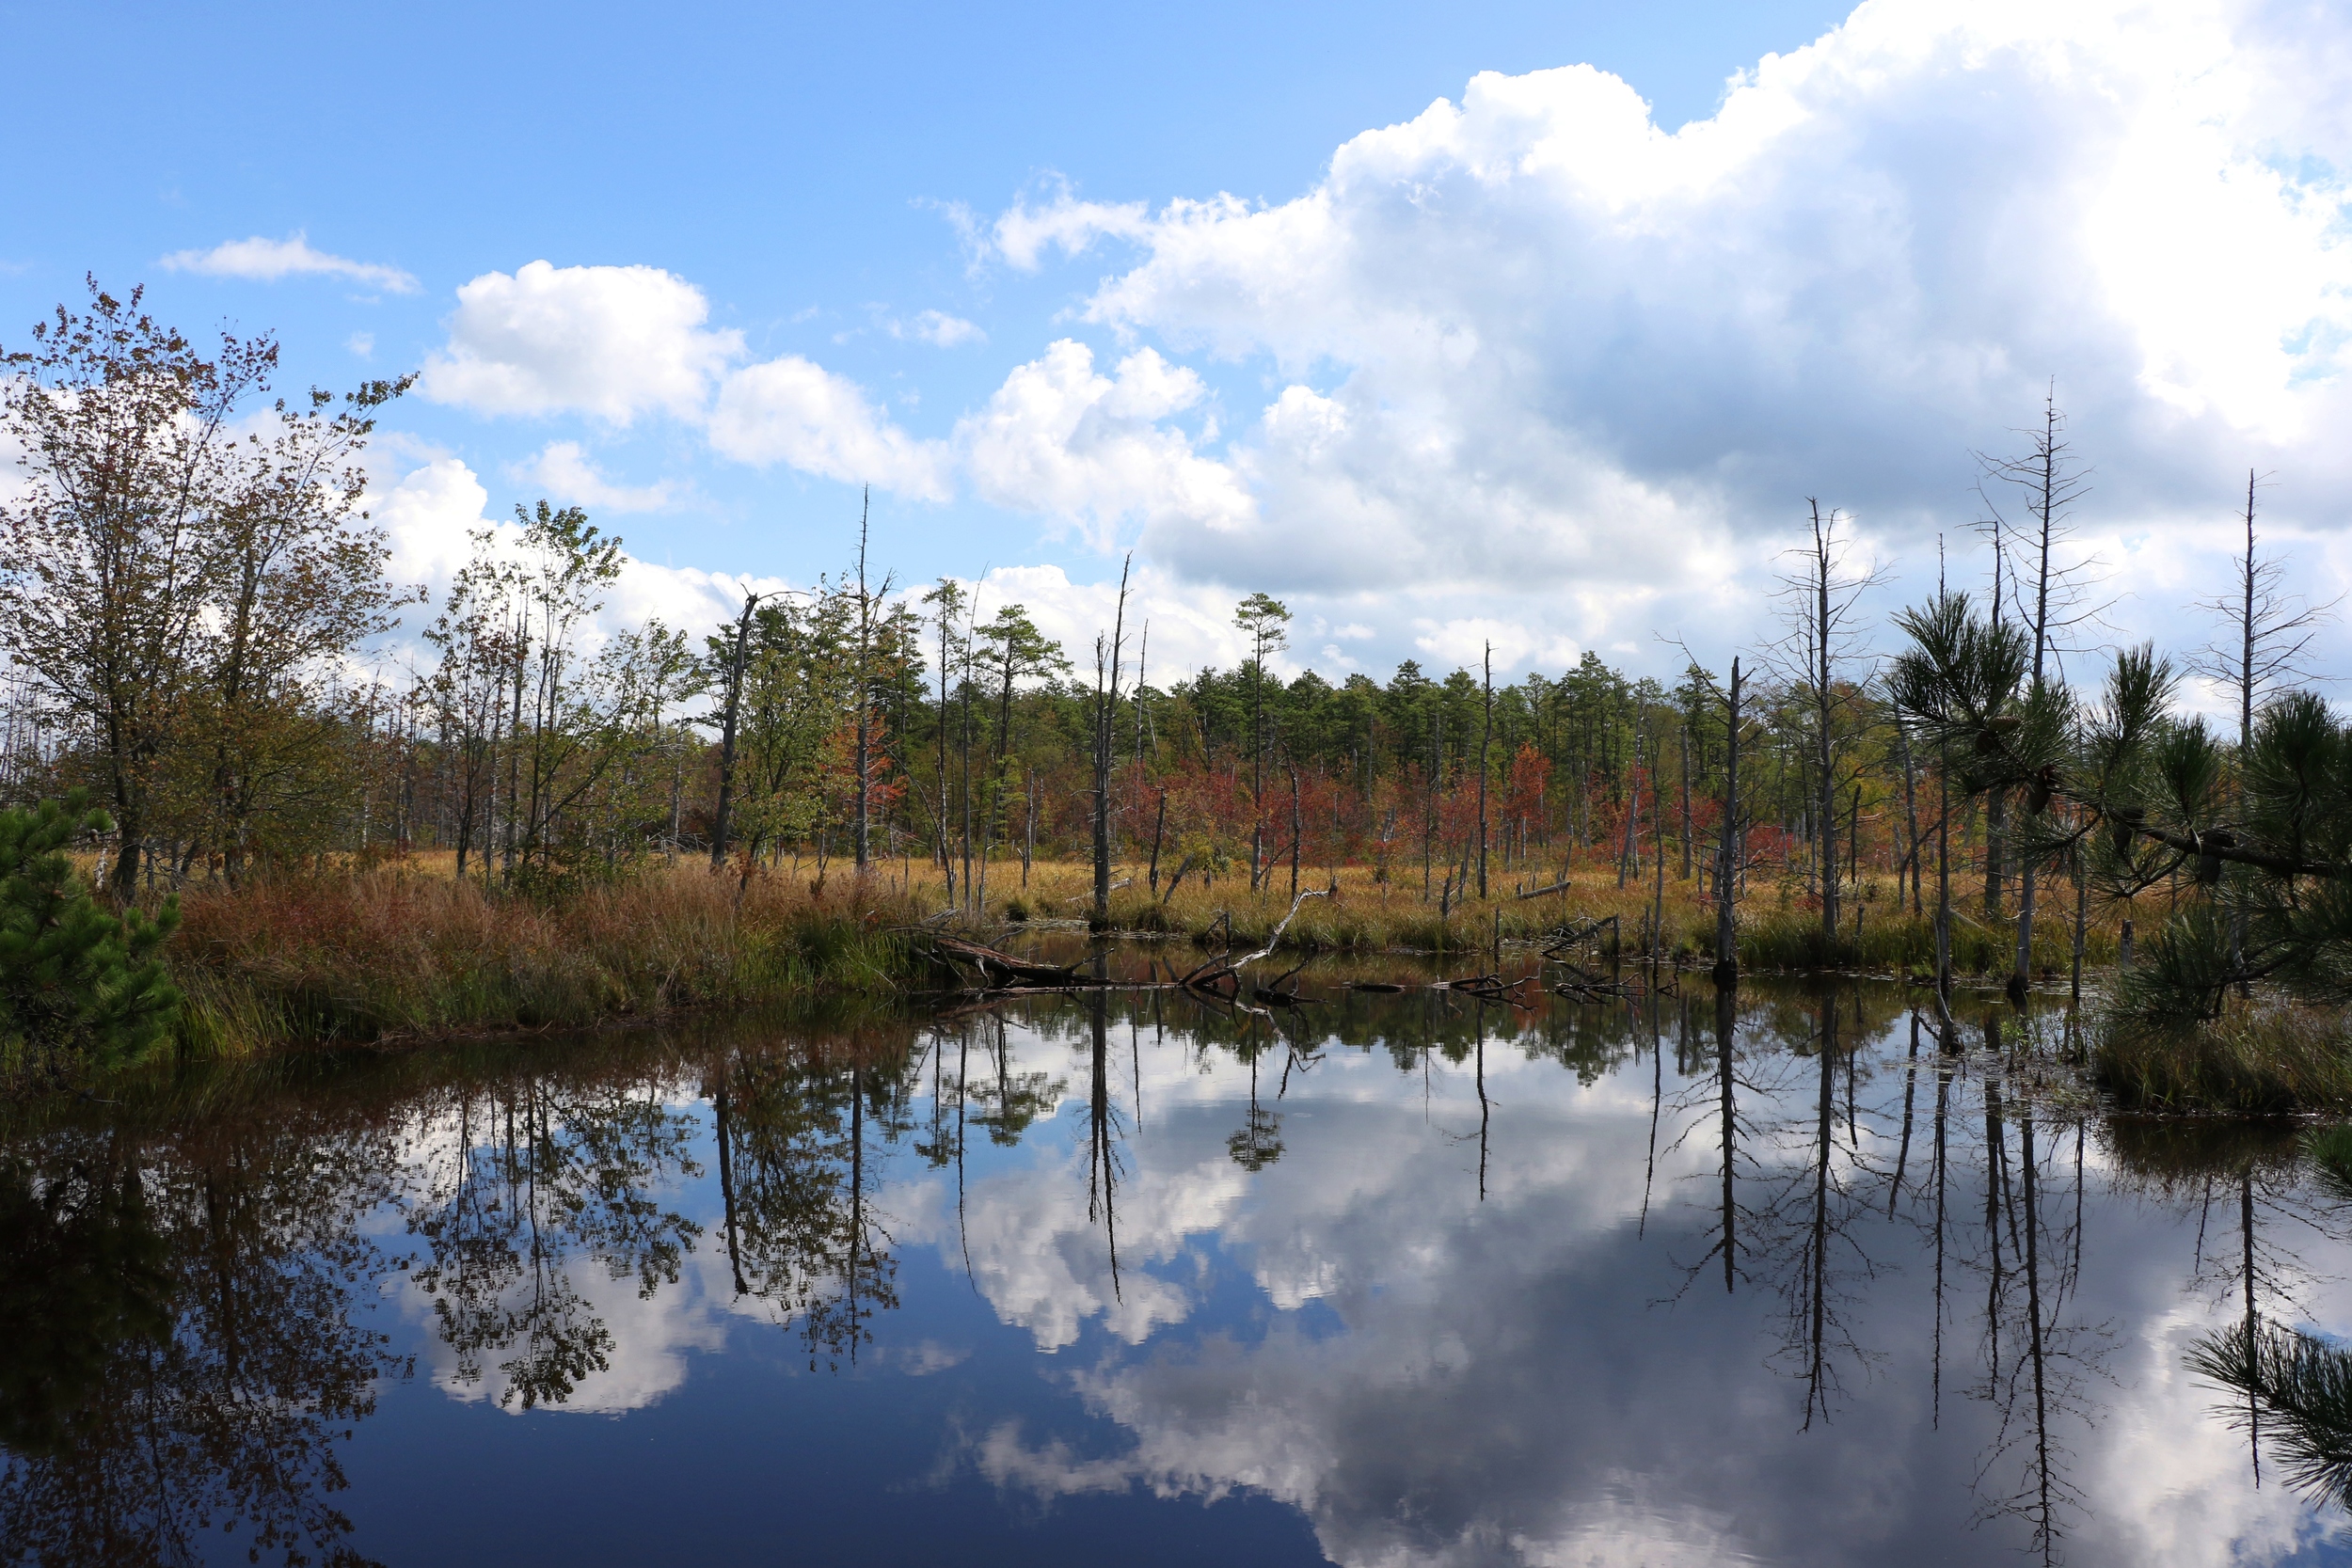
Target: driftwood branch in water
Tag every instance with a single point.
(1013, 976)
(1224, 969)
(1490, 988)
(1268, 951)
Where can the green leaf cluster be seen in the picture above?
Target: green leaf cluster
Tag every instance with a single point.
(80, 986)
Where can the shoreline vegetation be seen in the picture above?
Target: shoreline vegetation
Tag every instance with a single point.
(402, 953)
(405, 953)
(357, 955)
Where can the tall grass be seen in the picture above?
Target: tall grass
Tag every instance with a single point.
(2264, 1057)
(355, 953)
(366, 955)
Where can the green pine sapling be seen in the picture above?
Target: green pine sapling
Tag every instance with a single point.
(79, 984)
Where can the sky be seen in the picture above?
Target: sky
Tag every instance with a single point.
(1536, 326)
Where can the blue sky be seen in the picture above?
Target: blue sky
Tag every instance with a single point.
(1518, 368)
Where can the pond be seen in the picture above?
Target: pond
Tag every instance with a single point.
(1385, 1279)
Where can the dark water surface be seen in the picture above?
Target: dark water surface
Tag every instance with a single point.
(1391, 1280)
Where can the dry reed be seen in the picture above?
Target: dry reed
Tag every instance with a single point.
(366, 955)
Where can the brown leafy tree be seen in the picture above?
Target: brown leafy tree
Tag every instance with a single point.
(176, 595)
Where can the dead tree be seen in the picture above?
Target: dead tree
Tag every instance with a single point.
(2050, 479)
(2268, 638)
(1727, 843)
(1825, 661)
(1107, 654)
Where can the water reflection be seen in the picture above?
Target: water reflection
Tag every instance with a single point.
(801, 1235)
(1774, 1275)
(519, 1182)
(185, 1343)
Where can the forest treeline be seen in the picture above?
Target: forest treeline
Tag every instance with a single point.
(194, 613)
(197, 609)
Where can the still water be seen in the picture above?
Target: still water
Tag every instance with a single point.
(1390, 1279)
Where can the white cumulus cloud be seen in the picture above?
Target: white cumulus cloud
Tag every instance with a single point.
(1530, 343)
(1525, 367)
(566, 473)
(939, 329)
(430, 515)
(266, 260)
(1021, 234)
(613, 342)
(1061, 440)
(793, 411)
(1172, 628)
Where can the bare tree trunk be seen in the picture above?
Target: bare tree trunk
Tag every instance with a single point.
(1686, 800)
(1105, 709)
(1824, 710)
(1854, 841)
(1944, 891)
(945, 849)
(1910, 827)
(1429, 817)
(726, 733)
(864, 686)
(1726, 850)
(964, 763)
(1159, 826)
(1995, 835)
(1486, 742)
(1658, 877)
(1295, 826)
(514, 753)
(1257, 766)
(2244, 713)
(1143, 658)
(1630, 852)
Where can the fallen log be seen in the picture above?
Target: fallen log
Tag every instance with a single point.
(986, 958)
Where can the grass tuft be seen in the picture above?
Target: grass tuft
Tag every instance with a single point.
(2268, 1057)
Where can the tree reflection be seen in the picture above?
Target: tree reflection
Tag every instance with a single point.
(1821, 1256)
(83, 1281)
(1102, 1164)
(1010, 1101)
(1259, 1143)
(179, 1349)
(1801, 1234)
(540, 1174)
(2252, 1175)
(1724, 1087)
(799, 1226)
(2040, 1357)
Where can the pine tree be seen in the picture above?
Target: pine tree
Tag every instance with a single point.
(79, 985)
